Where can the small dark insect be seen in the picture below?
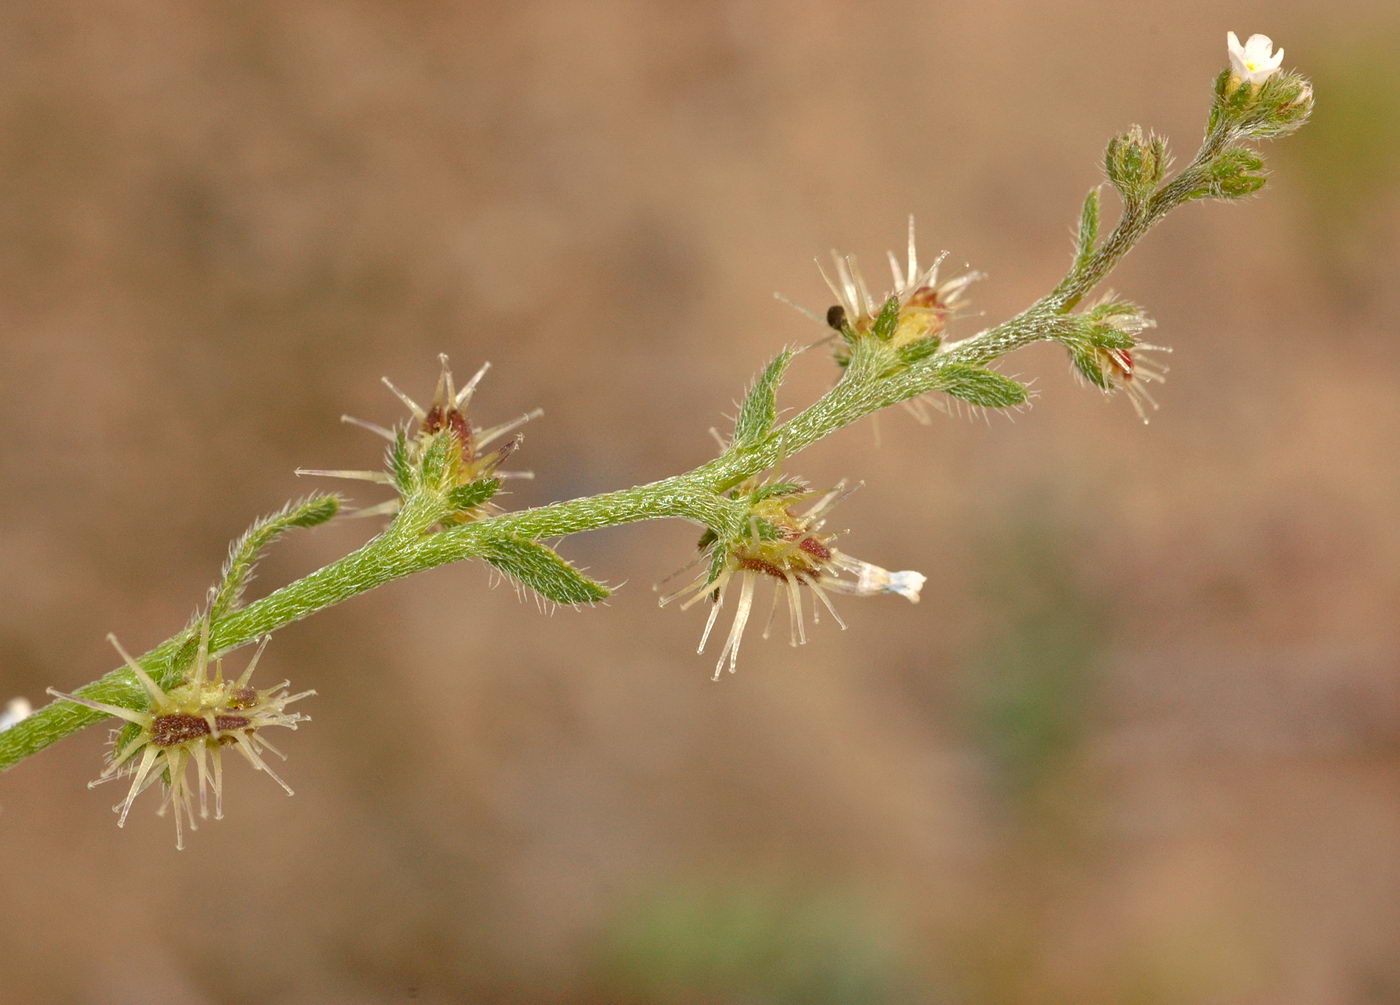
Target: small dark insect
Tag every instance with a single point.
(836, 317)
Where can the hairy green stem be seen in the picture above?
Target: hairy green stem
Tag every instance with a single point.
(695, 496)
(873, 380)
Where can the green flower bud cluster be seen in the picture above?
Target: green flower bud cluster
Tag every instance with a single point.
(1136, 164)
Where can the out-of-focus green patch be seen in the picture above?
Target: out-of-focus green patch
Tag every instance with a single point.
(737, 942)
(1347, 153)
(1033, 682)
(1212, 951)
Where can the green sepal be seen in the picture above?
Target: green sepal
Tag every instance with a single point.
(767, 530)
(760, 408)
(1088, 236)
(1108, 337)
(184, 655)
(1085, 359)
(1238, 188)
(1135, 163)
(540, 568)
(1217, 105)
(433, 467)
(981, 386)
(473, 494)
(1112, 309)
(128, 732)
(718, 557)
(1286, 103)
(1234, 161)
(398, 463)
(1234, 103)
(1231, 175)
(774, 489)
(885, 321)
(243, 554)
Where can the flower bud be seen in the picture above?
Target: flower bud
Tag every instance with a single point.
(1136, 164)
(1234, 174)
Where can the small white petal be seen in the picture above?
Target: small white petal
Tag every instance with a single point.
(1259, 46)
(907, 584)
(1255, 61)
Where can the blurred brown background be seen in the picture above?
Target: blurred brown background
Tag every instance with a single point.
(1138, 744)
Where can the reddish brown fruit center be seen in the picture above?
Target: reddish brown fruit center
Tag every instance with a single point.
(439, 418)
(181, 727)
(763, 566)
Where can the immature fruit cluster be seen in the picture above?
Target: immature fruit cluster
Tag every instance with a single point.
(193, 723)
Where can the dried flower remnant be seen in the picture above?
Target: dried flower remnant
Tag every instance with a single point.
(923, 308)
(791, 550)
(1255, 61)
(465, 458)
(192, 723)
(1130, 371)
(925, 305)
(1127, 366)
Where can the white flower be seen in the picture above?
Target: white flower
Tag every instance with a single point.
(1255, 61)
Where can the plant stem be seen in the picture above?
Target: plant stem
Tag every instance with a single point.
(869, 384)
(695, 495)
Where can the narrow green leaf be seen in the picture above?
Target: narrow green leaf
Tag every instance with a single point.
(316, 510)
(243, 554)
(473, 494)
(920, 350)
(760, 408)
(542, 570)
(981, 386)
